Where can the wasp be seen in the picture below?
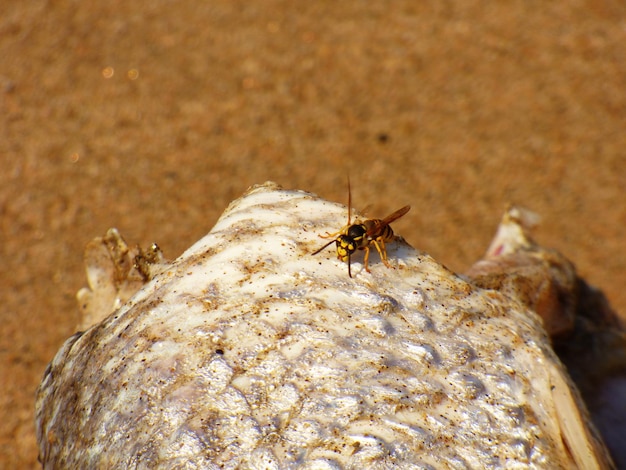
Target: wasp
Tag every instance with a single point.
(360, 235)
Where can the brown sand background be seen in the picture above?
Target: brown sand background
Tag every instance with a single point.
(152, 116)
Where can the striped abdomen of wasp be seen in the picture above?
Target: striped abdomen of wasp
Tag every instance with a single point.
(361, 235)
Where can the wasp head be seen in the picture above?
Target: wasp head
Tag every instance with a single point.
(351, 241)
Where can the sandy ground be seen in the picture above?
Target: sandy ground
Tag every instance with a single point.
(151, 117)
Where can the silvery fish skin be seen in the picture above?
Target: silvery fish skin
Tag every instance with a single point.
(248, 352)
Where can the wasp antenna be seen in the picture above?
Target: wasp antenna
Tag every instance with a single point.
(349, 200)
(317, 251)
(349, 264)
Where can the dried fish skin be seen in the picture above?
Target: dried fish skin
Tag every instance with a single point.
(541, 278)
(115, 272)
(247, 352)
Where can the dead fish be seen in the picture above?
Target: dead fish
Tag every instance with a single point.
(541, 278)
(585, 331)
(246, 352)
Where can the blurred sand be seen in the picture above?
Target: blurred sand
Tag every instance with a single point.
(153, 117)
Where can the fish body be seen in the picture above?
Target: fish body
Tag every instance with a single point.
(247, 352)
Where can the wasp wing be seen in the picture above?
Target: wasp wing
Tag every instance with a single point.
(379, 225)
(396, 215)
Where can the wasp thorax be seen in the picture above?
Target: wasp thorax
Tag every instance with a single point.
(356, 231)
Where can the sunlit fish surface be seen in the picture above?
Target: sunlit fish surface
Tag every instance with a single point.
(249, 352)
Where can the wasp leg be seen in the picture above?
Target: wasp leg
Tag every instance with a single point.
(329, 235)
(367, 257)
(382, 251)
